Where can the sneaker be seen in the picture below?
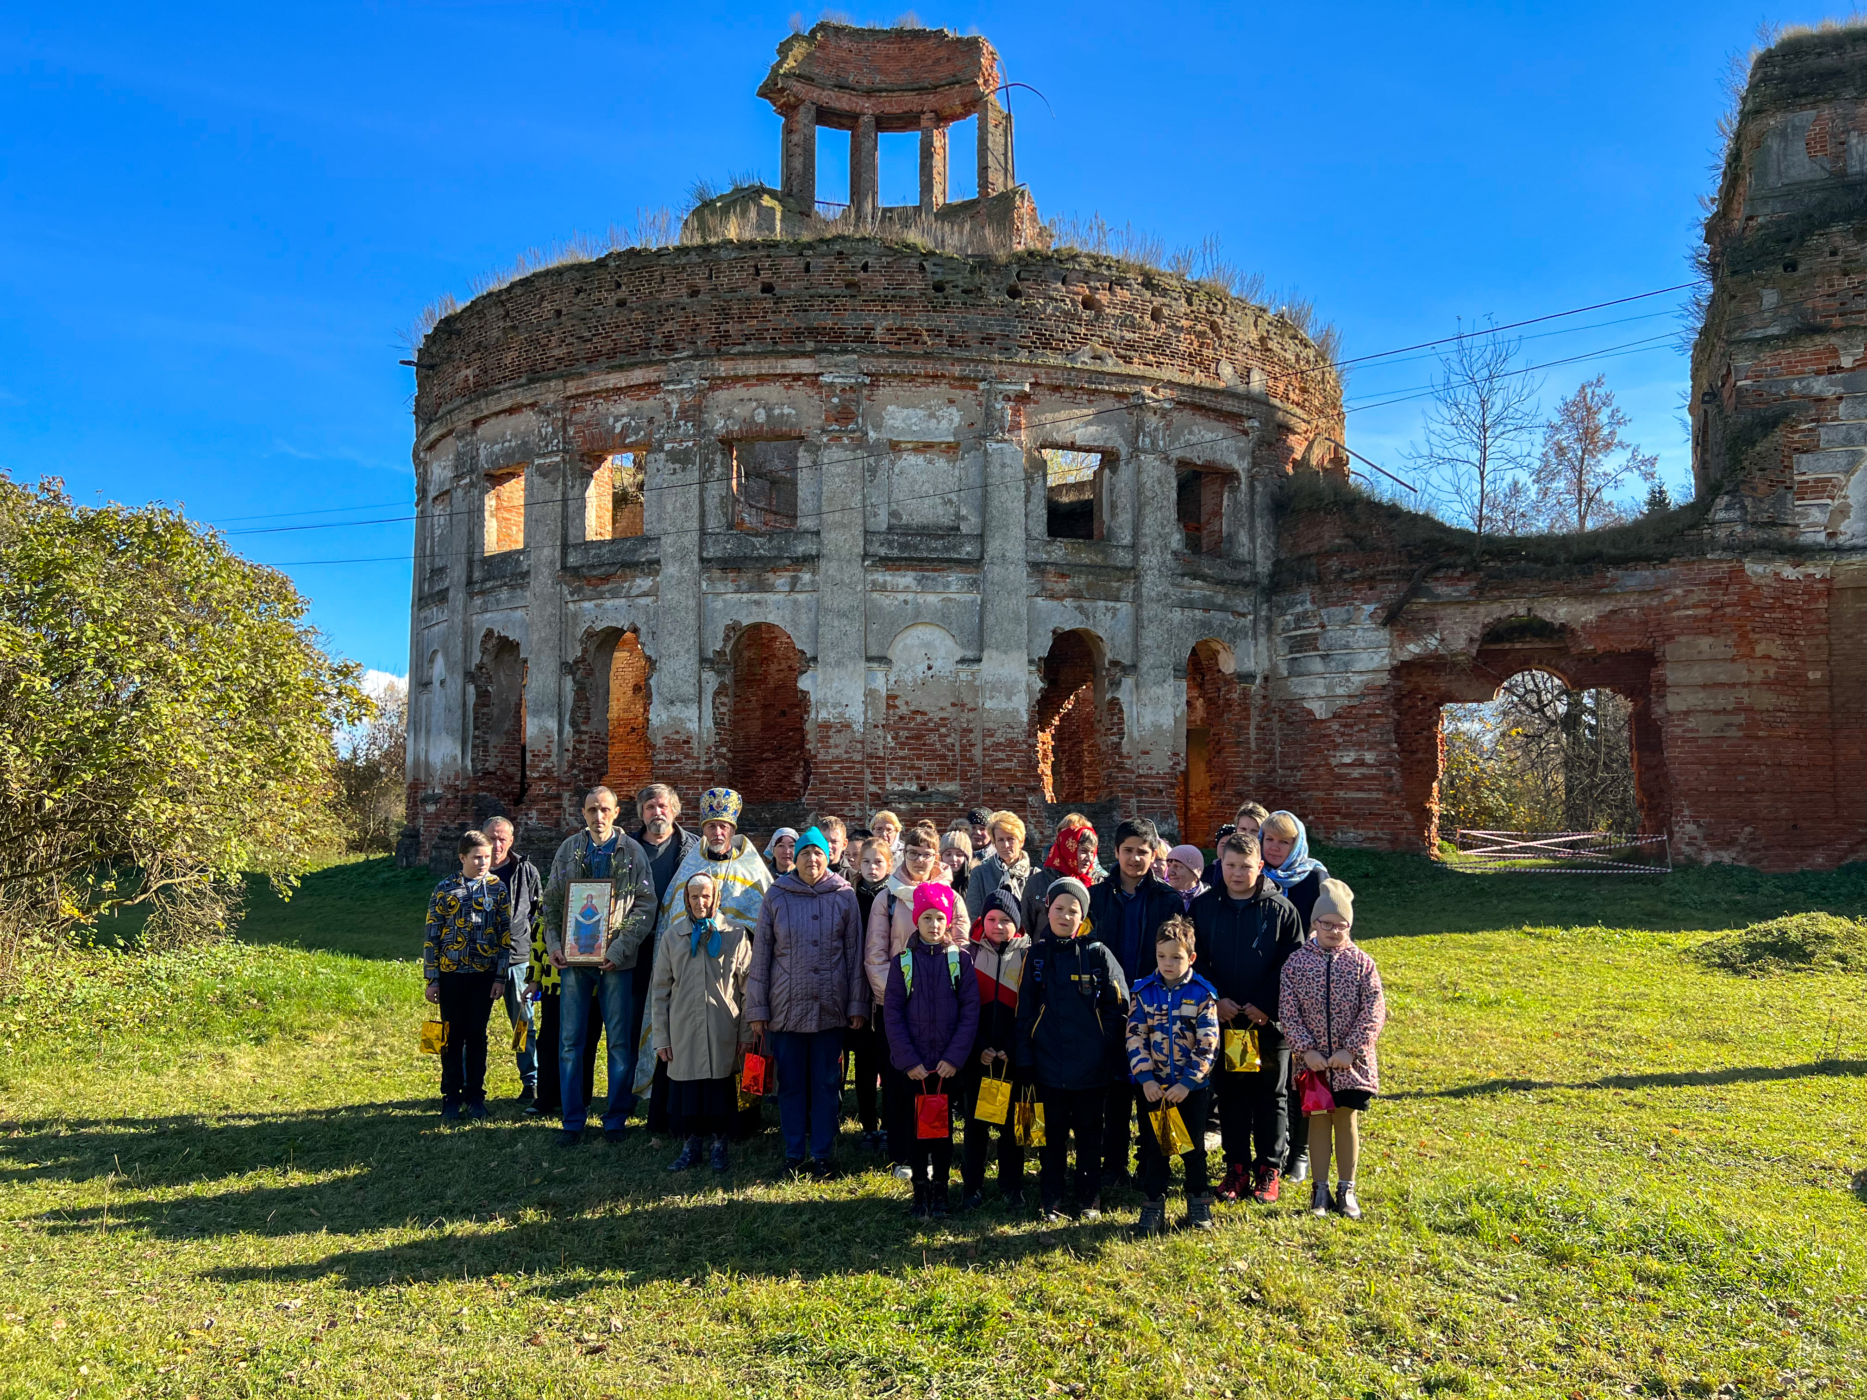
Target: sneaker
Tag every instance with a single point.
(794, 1166)
(1053, 1216)
(571, 1137)
(450, 1113)
(1153, 1217)
(1237, 1182)
(904, 1173)
(690, 1156)
(1091, 1212)
(1199, 1213)
(1320, 1201)
(534, 1109)
(874, 1141)
(527, 1095)
(918, 1210)
(720, 1161)
(820, 1169)
(1266, 1190)
(1345, 1201)
(972, 1200)
(1014, 1198)
(937, 1201)
(476, 1110)
(1297, 1170)
(615, 1136)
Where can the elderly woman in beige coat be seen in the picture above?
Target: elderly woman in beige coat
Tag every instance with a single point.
(701, 962)
(891, 924)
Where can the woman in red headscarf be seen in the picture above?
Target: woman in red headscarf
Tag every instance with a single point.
(1072, 854)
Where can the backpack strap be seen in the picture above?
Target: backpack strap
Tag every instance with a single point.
(952, 966)
(907, 972)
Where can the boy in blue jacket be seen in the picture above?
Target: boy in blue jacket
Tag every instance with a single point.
(1173, 1040)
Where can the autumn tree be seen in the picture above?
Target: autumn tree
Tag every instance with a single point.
(1577, 475)
(371, 764)
(166, 719)
(1477, 434)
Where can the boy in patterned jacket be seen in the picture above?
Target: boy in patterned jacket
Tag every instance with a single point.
(1173, 1040)
(464, 957)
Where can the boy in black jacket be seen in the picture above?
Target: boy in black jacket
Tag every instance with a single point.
(1072, 1029)
(1244, 930)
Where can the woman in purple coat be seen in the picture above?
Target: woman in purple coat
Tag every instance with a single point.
(806, 987)
(932, 1019)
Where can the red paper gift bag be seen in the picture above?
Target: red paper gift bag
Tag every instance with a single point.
(1315, 1091)
(930, 1116)
(752, 1077)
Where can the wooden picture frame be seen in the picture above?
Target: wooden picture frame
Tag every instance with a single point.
(586, 921)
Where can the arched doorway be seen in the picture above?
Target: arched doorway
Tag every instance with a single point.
(630, 765)
(1213, 773)
(761, 723)
(931, 706)
(1588, 701)
(1067, 721)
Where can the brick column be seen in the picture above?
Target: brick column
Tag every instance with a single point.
(676, 727)
(837, 709)
(1154, 730)
(996, 173)
(798, 155)
(864, 177)
(547, 687)
(933, 163)
(1009, 772)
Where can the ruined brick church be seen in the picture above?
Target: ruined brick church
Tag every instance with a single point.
(868, 505)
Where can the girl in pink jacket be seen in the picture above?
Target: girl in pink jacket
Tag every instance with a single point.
(1331, 1010)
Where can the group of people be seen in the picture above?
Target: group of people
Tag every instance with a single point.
(1044, 1008)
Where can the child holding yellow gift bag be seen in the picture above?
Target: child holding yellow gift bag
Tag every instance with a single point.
(1173, 1039)
(999, 949)
(1332, 1010)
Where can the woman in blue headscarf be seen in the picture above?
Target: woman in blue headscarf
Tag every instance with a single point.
(701, 963)
(1288, 864)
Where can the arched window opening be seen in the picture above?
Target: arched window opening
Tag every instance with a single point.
(1069, 748)
(762, 736)
(1539, 756)
(630, 765)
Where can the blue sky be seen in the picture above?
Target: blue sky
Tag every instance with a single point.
(216, 221)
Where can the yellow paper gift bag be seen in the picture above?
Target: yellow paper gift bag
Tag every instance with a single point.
(994, 1098)
(1241, 1050)
(433, 1037)
(1028, 1127)
(1170, 1131)
(521, 1035)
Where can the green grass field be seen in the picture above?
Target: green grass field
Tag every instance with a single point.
(1601, 1168)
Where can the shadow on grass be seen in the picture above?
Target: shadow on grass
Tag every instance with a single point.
(1681, 1079)
(365, 908)
(495, 1198)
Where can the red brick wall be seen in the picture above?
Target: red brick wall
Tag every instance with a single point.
(630, 763)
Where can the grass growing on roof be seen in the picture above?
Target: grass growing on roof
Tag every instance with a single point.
(1601, 1168)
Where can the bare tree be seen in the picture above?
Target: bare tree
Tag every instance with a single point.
(1478, 431)
(1575, 477)
(369, 773)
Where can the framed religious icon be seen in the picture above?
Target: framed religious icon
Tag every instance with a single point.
(586, 921)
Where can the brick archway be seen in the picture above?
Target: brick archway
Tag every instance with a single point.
(1508, 649)
(1217, 729)
(760, 718)
(1067, 724)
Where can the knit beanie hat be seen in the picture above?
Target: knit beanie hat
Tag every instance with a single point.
(1334, 900)
(1190, 856)
(1006, 903)
(931, 894)
(1071, 886)
(812, 837)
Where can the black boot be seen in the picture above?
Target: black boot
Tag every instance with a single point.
(937, 1201)
(919, 1209)
(690, 1156)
